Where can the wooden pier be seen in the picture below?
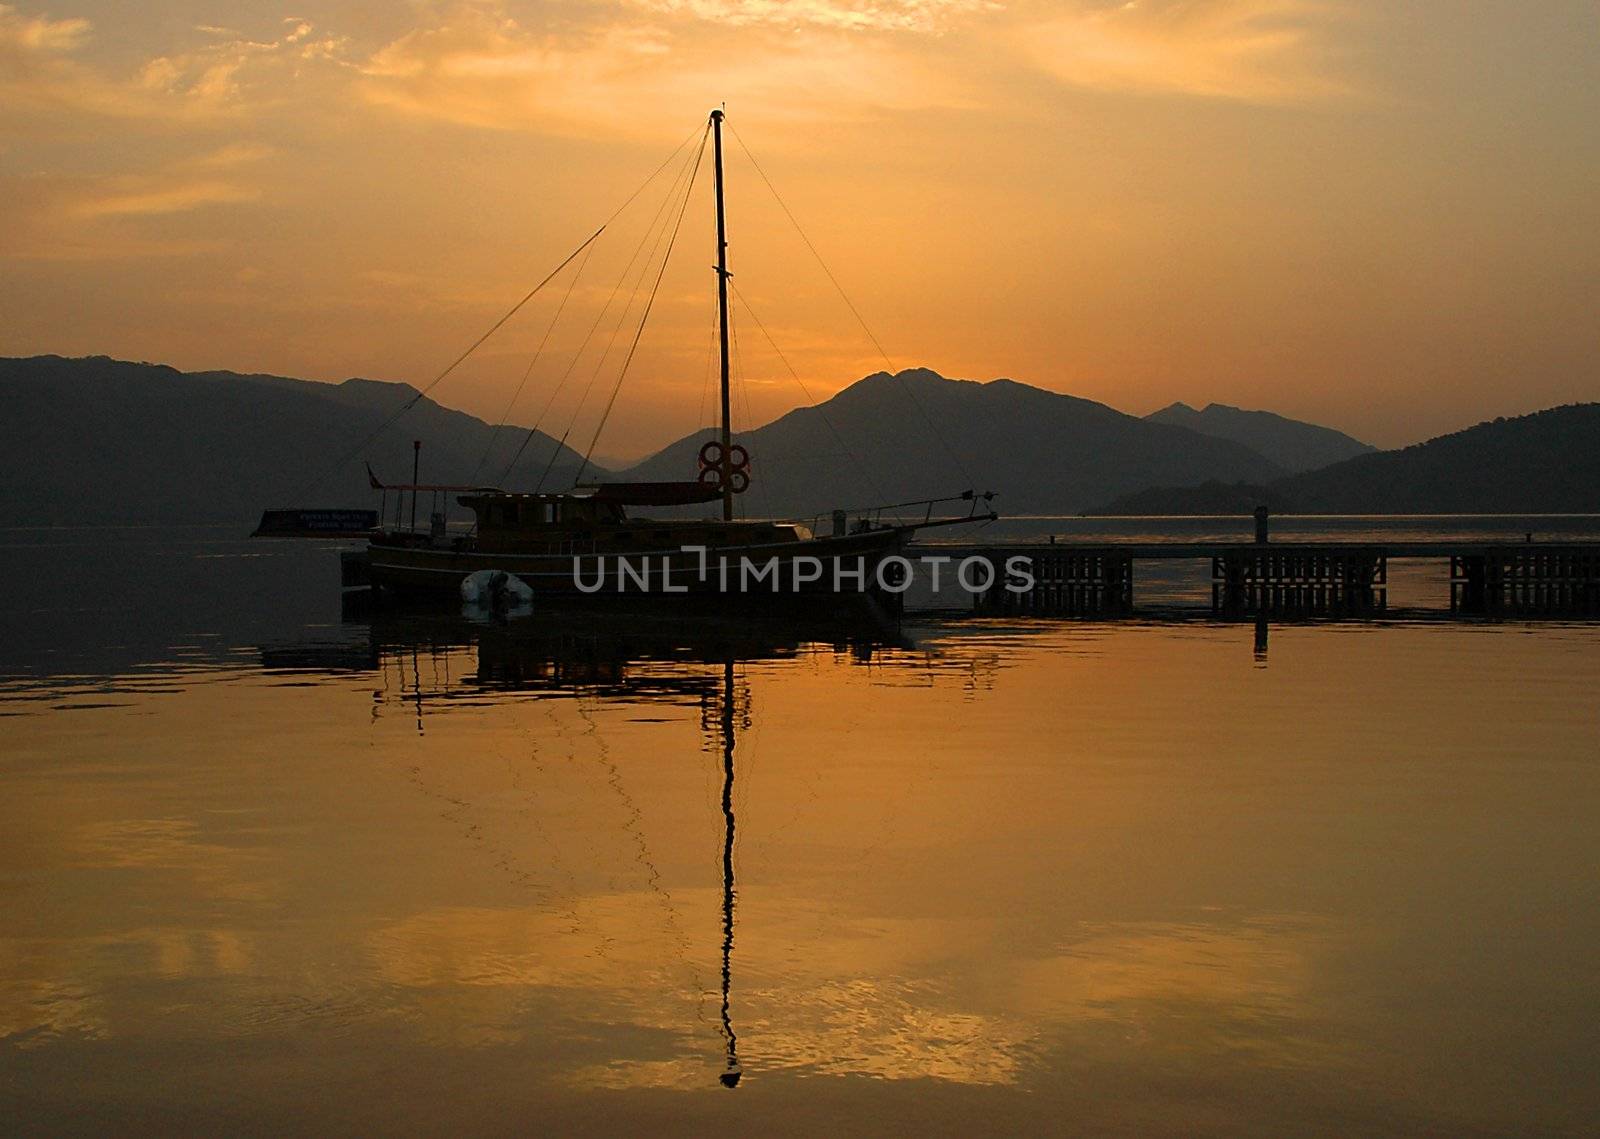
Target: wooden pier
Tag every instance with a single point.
(1527, 579)
(1291, 579)
(1287, 578)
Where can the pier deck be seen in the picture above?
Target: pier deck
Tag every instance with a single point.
(1083, 577)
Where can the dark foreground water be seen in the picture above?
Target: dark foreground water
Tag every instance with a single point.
(270, 867)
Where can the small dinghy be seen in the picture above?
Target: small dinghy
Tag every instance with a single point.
(496, 590)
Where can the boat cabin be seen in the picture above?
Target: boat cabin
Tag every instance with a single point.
(540, 512)
(594, 520)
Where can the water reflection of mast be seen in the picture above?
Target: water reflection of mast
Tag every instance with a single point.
(730, 1076)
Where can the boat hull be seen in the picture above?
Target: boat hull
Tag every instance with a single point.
(846, 564)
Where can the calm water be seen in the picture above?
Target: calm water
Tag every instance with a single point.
(273, 867)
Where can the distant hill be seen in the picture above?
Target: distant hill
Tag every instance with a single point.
(1293, 445)
(98, 440)
(893, 438)
(1544, 463)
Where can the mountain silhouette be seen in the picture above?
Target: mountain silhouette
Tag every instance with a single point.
(1544, 463)
(915, 434)
(1293, 445)
(98, 440)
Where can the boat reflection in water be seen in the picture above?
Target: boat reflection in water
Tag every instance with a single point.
(725, 721)
(641, 656)
(605, 652)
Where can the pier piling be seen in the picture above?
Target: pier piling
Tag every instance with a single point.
(1530, 579)
(1066, 582)
(1291, 578)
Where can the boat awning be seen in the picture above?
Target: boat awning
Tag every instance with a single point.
(654, 493)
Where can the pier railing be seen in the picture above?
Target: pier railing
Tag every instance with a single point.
(1290, 578)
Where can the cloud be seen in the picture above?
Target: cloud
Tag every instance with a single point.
(165, 199)
(476, 67)
(1260, 51)
(922, 16)
(211, 178)
(97, 248)
(233, 154)
(832, 1016)
(107, 217)
(39, 33)
(641, 66)
(40, 71)
(238, 70)
(473, 64)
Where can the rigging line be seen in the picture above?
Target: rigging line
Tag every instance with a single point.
(711, 359)
(816, 406)
(412, 402)
(932, 426)
(663, 218)
(537, 352)
(638, 288)
(744, 395)
(738, 368)
(663, 211)
(555, 452)
(687, 139)
(533, 431)
(633, 826)
(645, 315)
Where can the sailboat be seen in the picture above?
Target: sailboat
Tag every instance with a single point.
(584, 541)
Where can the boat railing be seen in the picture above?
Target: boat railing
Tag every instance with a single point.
(855, 520)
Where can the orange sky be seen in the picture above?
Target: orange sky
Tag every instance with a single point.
(1381, 217)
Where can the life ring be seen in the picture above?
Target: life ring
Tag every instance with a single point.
(711, 454)
(711, 476)
(739, 480)
(738, 458)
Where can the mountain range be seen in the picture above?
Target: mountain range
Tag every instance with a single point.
(1544, 463)
(1292, 445)
(98, 440)
(906, 436)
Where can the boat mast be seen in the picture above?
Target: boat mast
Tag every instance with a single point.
(722, 324)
